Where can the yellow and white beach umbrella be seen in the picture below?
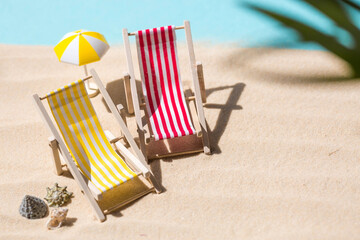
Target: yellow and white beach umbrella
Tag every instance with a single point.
(80, 48)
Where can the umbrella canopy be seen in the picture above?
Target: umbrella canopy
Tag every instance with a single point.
(81, 47)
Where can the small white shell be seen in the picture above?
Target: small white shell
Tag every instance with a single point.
(57, 217)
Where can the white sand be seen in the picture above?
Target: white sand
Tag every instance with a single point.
(285, 135)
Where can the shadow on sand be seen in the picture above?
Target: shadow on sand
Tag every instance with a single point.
(225, 112)
(117, 93)
(242, 58)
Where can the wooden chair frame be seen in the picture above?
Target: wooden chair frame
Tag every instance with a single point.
(194, 100)
(62, 155)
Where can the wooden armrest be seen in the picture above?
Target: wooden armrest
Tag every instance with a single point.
(191, 98)
(129, 156)
(114, 140)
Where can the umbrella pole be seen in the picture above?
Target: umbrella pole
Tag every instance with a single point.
(91, 88)
(85, 69)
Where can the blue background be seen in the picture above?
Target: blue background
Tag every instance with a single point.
(41, 22)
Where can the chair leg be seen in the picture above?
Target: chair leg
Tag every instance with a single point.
(199, 68)
(153, 182)
(129, 100)
(206, 141)
(122, 113)
(207, 150)
(142, 144)
(56, 157)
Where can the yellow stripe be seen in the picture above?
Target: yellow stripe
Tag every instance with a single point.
(95, 136)
(102, 134)
(87, 101)
(72, 140)
(61, 46)
(73, 137)
(77, 133)
(96, 35)
(59, 113)
(87, 53)
(56, 120)
(84, 131)
(86, 117)
(79, 154)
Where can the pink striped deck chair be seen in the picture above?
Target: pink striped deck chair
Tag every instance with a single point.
(164, 102)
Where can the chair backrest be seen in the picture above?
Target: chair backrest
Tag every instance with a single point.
(85, 138)
(161, 83)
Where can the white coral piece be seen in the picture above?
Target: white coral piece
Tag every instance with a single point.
(57, 217)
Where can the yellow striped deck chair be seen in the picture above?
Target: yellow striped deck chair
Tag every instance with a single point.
(101, 167)
(84, 136)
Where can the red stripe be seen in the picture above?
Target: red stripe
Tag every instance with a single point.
(143, 60)
(172, 96)
(155, 87)
(158, 57)
(179, 93)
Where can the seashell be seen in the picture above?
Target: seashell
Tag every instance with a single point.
(33, 207)
(57, 217)
(57, 196)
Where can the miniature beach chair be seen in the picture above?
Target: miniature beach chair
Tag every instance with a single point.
(165, 105)
(86, 148)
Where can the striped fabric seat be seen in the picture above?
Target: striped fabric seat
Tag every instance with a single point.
(85, 138)
(161, 83)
